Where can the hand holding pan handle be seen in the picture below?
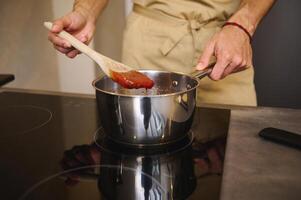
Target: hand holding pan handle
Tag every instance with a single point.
(202, 73)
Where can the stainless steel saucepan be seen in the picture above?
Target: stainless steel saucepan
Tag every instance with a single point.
(156, 116)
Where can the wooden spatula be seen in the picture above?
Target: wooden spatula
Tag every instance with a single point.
(119, 72)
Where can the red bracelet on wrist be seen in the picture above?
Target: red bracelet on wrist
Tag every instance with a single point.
(239, 26)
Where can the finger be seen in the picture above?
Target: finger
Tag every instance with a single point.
(205, 58)
(57, 40)
(220, 145)
(75, 52)
(239, 70)
(229, 69)
(67, 163)
(84, 155)
(233, 68)
(71, 182)
(236, 62)
(84, 39)
(219, 68)
(95, 156)
(215, 161)
(72, 53)
(203, 167)
(62, 49)
(69, 160)
(202, 164)
(60, 24)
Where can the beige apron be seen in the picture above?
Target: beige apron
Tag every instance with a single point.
(171, 35)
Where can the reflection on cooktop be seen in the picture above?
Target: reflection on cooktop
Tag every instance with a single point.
(60, 160)
(15, 119)
(130, 175)
(107, 144)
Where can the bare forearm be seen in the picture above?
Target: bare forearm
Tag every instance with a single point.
(90, 8)
(251, 12)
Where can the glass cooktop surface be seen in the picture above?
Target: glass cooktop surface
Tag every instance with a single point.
(53, 147)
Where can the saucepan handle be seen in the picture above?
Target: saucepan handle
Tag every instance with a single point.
(202, 73)
(205, 72)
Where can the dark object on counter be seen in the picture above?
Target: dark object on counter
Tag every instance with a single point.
(282, 137)
(6, 78)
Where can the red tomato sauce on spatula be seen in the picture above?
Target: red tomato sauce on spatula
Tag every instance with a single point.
(132, 79)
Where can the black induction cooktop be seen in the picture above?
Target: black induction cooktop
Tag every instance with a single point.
(52, 147)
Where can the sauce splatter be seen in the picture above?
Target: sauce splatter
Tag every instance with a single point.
(132, 79)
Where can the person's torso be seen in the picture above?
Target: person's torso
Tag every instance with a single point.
(207, 9)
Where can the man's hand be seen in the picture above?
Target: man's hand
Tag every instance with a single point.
(75, 23)
(233, 52)
(231, 46)
(80, 23)
(79, 157)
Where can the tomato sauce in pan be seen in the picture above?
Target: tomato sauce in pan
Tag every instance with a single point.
(132, 79)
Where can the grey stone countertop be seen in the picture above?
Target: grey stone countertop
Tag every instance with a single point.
(255, 168)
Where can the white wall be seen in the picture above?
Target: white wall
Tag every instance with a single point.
(24, 49)
(26, 52)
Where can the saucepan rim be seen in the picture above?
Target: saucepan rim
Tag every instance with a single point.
(151, 95)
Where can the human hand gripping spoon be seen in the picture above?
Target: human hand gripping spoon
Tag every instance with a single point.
(124, 75)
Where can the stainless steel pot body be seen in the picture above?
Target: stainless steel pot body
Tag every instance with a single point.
(142, 117)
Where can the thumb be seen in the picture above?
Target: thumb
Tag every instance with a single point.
(205, 58)
(60, 24)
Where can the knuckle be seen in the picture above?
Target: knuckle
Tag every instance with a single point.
(53, 38)
(220, 66)
(249, 64)
(202, 60)
(58, 22)
(237, 60)
(217, 74)
(244, 63)
(227, 56)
